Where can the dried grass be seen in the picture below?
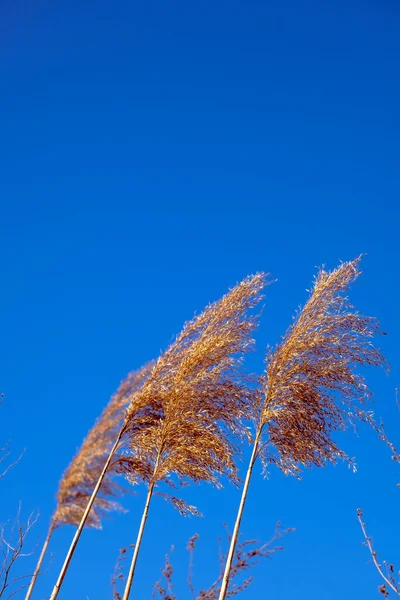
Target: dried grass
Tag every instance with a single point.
(196, 395)
(180, 422)
(248, 555)
(78, 481)
(312, 387)
(78, 504)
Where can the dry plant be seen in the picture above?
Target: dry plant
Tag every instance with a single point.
(81, 476)
(76, 485)
(247, 555)
(5, 452)
(118, 574)
(310, 388)
(386, 570)
(12, 538)
(192, 399)
(12, 546)
(180, 422)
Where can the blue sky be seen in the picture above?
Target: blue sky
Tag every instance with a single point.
(153, 154)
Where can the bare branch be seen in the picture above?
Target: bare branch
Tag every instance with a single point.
(389, 574)
(6, 452)
(388, 577)
(118, 575)
(12, 545)
(247, 555)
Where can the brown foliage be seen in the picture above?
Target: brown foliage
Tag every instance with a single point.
(78, 481)
(311, 387)
(196, 395)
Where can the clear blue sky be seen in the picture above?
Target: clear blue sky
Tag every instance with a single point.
(153, 154)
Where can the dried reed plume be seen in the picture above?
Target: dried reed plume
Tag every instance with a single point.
(202, 361)
(79, 479)
(77, 483)
(310, 388)
(180, 422)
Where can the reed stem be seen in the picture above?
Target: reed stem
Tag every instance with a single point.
(138, 543)
(142, 526)
(231, 553)
(78, 532)
(40, 560)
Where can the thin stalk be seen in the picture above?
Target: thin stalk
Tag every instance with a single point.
(40, 560)
(231, 553)
(132, 568)
(137, 545)
(78, 532)
(394, 587)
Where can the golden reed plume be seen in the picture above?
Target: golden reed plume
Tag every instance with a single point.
(76, 485)
(311, 388)
(180, 422)
(79, 479)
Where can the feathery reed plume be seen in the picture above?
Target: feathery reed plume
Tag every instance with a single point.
(77, 483)
(310, 388)
(180, 422)
(79, 479)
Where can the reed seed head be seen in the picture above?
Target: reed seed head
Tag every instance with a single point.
(311, 387)
(80, 478)
(180, 421)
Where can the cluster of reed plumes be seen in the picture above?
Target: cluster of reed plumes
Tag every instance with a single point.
(185, 417)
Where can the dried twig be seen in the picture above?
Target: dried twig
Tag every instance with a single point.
(247, 555)
(12, 537)
(118, 575)
(389, 574)
(12, 544)
(5, 453)
(190, 548)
